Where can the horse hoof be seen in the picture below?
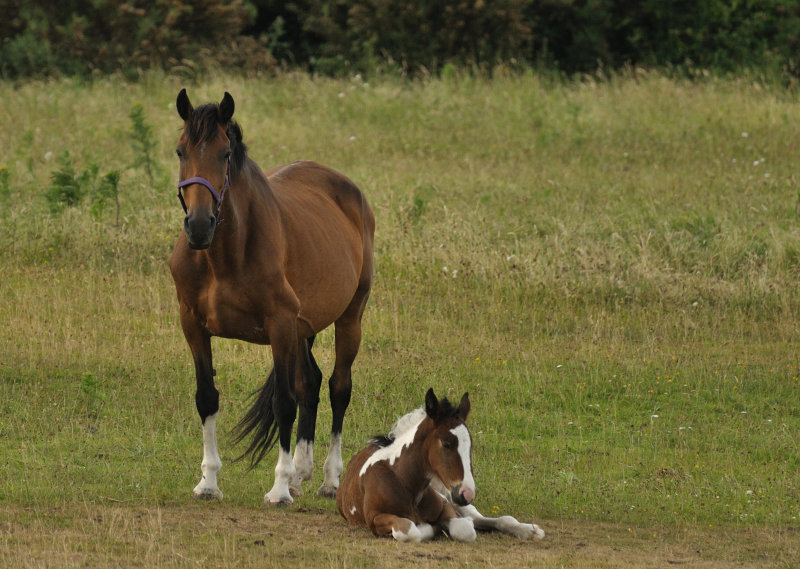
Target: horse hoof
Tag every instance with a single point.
(282, 502)
(207, 494)
(327, 491)
(297, 492)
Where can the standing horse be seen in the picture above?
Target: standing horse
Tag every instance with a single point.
(418, 480)
(270, 258)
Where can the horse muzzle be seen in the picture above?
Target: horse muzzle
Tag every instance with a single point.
(462, 495)
(199, 230)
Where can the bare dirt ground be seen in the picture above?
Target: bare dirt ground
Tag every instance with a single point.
(216, 535)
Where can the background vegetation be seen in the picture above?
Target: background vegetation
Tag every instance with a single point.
(340, 37)
(608, 266)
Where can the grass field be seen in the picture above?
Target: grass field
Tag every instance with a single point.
(608, 267)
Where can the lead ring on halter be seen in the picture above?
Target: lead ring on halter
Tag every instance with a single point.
(218, 197)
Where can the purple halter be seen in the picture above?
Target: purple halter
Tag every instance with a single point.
(218, 197)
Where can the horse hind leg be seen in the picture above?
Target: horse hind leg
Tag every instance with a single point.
(309, 378)
(348, 341)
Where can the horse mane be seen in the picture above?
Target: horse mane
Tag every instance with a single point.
(403, 424)
(411, 420)
(203, 127)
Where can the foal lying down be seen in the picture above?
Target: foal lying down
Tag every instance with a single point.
(417, 480)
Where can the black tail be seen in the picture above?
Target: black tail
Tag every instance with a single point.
(259, 420)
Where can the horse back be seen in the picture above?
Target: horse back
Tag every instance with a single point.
(292, 181)
(332, 229)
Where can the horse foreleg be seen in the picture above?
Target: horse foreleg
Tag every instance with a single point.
(402, 529)
(435, 509)
(207, 402)
(504, 524)
(284, 405)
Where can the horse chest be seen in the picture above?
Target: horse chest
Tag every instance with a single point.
(228, 315)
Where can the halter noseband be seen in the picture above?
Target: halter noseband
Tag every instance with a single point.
(218, 197)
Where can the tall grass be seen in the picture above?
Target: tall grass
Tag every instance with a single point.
(608, 267)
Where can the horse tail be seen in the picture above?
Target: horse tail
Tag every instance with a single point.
(259, 420)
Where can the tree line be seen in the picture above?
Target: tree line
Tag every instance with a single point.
(85, 37)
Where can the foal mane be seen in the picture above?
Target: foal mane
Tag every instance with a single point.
(412, 420)
(203, 127)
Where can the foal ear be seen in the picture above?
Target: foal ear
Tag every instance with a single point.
(183, 105)
(226, 108)
(431, 404)
(464, 407)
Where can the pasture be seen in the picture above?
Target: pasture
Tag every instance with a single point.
(609, 267)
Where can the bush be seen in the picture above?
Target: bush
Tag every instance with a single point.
(82, 36)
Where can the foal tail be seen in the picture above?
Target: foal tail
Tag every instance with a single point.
(259, 420)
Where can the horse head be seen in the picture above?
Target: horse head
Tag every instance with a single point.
(204, 150)
(449, 446)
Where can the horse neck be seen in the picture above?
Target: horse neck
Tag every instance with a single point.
(412, 466)
(248, 195)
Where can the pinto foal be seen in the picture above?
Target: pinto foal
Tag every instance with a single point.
(417, 480)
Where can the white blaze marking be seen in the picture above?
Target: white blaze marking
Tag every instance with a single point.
(464, 447)
(353, 510)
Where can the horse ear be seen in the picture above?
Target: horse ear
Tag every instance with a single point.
(464, 407)
(226, 108)
(431, 404)
(183, 105)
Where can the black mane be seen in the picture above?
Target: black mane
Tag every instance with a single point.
(203, 127)
(381, 441)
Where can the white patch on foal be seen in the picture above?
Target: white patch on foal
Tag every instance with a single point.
(416, 533)
(403, 433)
(211, 465)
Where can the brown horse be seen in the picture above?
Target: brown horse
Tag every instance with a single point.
(271, 258)
(387, 486)
(418, 480)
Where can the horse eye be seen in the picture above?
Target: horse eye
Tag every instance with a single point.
(179, 153)
(449, 445)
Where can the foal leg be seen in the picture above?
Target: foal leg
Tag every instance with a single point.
(434, 508)
(348, 340)
(309, 380)
(207, 402)
(402, 529)
(504, 524)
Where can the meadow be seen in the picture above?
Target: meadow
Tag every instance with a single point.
(608, 266)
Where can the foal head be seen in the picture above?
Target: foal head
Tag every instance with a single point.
(449, 446)
(209, 146)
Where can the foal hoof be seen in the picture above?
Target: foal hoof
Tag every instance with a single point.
(207, 494)
(327, 491)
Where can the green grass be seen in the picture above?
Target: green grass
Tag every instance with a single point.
(609, 268)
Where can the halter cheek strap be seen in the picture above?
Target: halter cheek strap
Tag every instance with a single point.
(218, 197)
